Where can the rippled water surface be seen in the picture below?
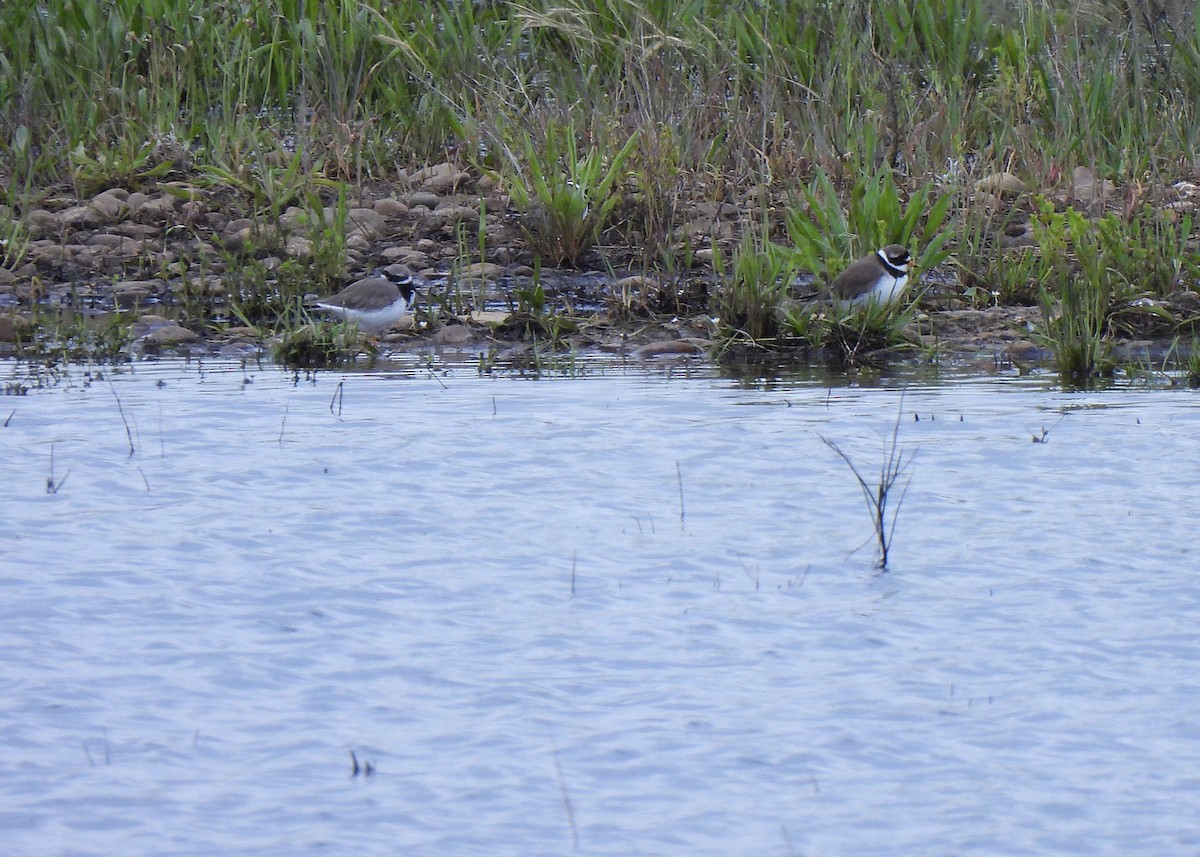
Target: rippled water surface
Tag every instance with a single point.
(613, 614)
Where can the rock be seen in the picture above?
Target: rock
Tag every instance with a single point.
(171, 335)
(45, 250)
(294, 219)
(13, 327)
(1018, 236)
(486, 185)
(137, 200)
(440, 178)
(357, 240)
(429, 200)
(481, 270)
(1088, 190)
(414, 259)
(1022, 349)
(636, 282)
(668, 347)
(192, 212)
(248, 237)
(130, 293)
(1186, 303)
(115, 245)
(239, 240)
(79, 216)
(453, 334)
(454, 214)
(41, 221)
(365, 220)
(7, 277)
(488, 317)
(161, 207)
(391, 208)
(110, 206)
(298, 247)
(1004, 185)
(135, 230)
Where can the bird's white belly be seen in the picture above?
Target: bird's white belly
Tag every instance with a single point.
(886, 289)
(370, 320)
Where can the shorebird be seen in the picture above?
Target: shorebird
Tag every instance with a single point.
(374, 303)
(881, 277)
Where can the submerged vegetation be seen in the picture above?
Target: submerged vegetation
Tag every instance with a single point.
(1040, 152)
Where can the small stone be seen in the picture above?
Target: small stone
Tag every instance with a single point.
(1017, 238)
(130, 293)
(488, 317)
(1087, 189)
(7, 277)
(159, 208)
(358, 240)
(193, 212)
(298, 247)
(135, 230)
(1022, 349)
(110, 205)
(454, 214)
(1004, 185)
(481, 270)
(136, 200)
(440, 178)
(453, 334)
(238, 225)
(42, 220)
(170, 335)
(429, 200)
(391, 208)
(13, 327)
(365, 220)
(636, 282)
(294, 219)
(667, 347)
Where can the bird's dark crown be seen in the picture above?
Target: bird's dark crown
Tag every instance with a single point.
(398, 274)
(896, 257)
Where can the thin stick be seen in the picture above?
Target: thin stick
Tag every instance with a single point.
(121, 410)
(679, 476)
(338, 395)
(283, 422)
(562, 787)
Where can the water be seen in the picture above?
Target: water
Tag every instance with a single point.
(616, 614)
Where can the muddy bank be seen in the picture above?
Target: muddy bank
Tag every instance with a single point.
(179, 261)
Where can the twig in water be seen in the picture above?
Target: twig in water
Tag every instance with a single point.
(9, 418)
(679, 476)
(894, 465)
(338, 394)
(121, 411)
(283, 421)
(562, 786)
(53, 485)
(434, 376)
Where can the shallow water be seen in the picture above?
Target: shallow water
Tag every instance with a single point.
(612, 614)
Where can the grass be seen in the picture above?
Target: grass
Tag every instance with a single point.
(878, 493)
(827, 129)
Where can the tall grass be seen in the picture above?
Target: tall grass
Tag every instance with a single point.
(749, 91)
